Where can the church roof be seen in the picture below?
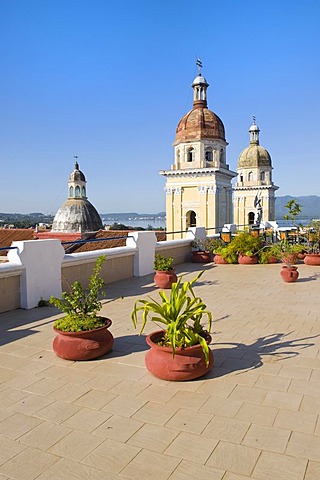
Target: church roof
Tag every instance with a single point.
(254, 156)
(199, 123)
(77, 215)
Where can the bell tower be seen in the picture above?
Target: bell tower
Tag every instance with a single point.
(198, 185)
(254, 192)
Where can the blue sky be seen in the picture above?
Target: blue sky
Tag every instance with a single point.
(109, 81)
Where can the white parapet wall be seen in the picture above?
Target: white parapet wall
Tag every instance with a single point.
(145, 244)
(35, 268)
(41, 275)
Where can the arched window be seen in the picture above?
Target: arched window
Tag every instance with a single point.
(221, 155)
(191, 220)
(250, 176)
(251, 218)
(71, 191)
(178, 156)
(262, 176)
(83, 191)
(209, 155)
(241, 178)
(77, 191)
(190, 154)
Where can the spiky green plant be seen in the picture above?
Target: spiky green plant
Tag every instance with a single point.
(179, 314)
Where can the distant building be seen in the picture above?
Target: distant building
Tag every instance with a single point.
(77, 214)
(254, 192)
(198, 186)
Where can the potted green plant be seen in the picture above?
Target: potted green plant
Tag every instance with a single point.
(200, 252)
(244, 247)
(225, 255)
(164, 271)
(179, 351)
(269, 254)
(288, 254)
(82, 334)
(312, 256)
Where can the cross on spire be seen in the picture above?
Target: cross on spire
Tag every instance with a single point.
(253, 119)
(199, 65)
(76, 164)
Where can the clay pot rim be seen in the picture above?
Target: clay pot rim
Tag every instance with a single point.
(293, 267)
(171, 270)
(108, 323)
(159, 333)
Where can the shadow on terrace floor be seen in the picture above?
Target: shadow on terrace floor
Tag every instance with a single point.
(22, 323)
(138, 286)
(242, 357)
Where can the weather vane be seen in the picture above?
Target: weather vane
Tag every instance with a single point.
(253, 119)
(199, 65)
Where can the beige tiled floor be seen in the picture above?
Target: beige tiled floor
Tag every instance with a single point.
(255, 416)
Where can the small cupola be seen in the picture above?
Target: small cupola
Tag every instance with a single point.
(77, 183)
(254, 132)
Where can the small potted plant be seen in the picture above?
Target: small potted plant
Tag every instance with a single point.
(246, 246)
(312, 257)
(200, 251)
(164, 271)
(288, 254)
(269, 254)
(179, 351)
(82, 334)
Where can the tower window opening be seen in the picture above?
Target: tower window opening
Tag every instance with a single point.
(209, 155)
(190, 155)
(251, 218)
(191, 219)
(250, 176)
(71, 191)
(83, 191)
(262, 176)
(241, 178)
(77, 191)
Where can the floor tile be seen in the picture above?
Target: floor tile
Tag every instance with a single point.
(267, 438)
(147, 464)
(111, 456)
(234, 458)
(191, 447)
(28, 464)
(153, 437)
(280, 467)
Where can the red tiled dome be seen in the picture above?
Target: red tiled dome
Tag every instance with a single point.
(199, 123)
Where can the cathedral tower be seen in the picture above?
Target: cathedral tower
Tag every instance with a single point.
(254, 192)
(198, 186)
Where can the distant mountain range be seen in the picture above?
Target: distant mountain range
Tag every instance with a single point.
(310, 206)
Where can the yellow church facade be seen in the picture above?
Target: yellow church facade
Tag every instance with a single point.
(198, 185)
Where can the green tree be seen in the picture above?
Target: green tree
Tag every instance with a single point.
(294, 208)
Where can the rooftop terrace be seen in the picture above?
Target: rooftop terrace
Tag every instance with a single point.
(255, 416)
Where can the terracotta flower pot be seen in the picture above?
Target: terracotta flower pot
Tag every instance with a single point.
(84, 345)
(247, 259)
(273, 259)
(290, 258)
(201, 257)
(165, 279)
(220, 260)
(289, 274)
(187, 364)
(312, 259)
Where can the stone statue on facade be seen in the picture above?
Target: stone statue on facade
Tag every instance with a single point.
(258, 212)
